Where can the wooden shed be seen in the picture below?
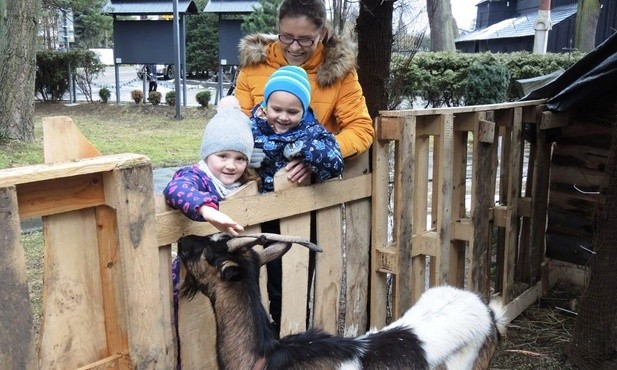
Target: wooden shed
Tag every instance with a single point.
(586, 92)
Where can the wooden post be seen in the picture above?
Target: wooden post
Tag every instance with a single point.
(379, 226)
(16, 336)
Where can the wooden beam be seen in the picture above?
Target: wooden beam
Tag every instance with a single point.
(256, 209)
(62, 170)
(379, 230)
(17, 338)
(43, 198)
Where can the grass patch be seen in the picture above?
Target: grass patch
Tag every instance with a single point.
(33, 251)
(116, 129)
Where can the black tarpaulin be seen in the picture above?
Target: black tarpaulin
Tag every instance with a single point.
(593, 76)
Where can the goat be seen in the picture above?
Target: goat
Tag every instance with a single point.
(448, 328)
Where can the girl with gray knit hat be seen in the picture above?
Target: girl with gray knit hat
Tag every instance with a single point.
(225, 150)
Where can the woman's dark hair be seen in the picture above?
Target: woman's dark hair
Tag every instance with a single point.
(315, 10)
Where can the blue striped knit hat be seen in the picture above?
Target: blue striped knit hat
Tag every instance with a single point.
(293, 80)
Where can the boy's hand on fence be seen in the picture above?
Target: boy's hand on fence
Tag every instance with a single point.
(297, 171)
(220, 220)
(257, 156)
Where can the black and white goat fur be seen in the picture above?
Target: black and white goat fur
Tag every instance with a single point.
(448, 328)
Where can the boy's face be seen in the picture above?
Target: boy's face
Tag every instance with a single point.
(227, 166)
(283, 111)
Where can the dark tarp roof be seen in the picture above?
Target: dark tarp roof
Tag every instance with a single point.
(593, 76)
(145, 7)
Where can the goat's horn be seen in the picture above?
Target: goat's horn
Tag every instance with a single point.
(240, 242)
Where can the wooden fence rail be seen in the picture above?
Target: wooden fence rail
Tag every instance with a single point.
(456, 177)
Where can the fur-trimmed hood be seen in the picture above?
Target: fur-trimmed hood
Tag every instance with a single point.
(339, 56)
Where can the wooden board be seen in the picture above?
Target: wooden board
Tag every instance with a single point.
(128, 189)
(16, 337)
(73, 329)
(379, 229)
(73, 323)
(357, 239)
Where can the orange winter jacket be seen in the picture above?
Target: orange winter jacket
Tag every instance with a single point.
(336, 97)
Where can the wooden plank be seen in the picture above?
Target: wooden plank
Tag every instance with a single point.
(511, 234)
(197, 332)
(425, 244)
(129, 191)
(114, 306)
(482, 201)
(582, 177)
(486, 131)
(539, 204)
(524, 206)
(295, 276)
(16, 338)
(73, 307)
(442, 196)
(270, 206)
(458, 110)
(556, 119)
(111, 362)
(417, 221)
(523, 301)
(328, 269)
(460, 229)
(43, 172)
(389, 128)
(44, 198)
(379, 229)
(73, 324)
(522, 263)
(64, 142)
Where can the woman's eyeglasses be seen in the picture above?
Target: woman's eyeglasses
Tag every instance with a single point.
(304, 42)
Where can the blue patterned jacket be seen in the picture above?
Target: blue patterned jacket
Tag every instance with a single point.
(308, 141)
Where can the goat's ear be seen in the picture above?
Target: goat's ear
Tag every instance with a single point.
(231, 271)
(272, 252)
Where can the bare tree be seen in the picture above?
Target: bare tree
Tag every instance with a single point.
(339, 13)
(587, 14)
(442, 24)
(17, 68)
(374, 29)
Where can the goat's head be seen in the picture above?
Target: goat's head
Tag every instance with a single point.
(223, 258)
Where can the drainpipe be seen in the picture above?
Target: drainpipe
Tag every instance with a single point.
(542, 25)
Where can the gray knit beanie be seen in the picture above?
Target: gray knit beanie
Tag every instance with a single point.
(229, 129)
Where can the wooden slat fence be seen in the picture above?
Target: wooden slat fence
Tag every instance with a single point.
(444, 188)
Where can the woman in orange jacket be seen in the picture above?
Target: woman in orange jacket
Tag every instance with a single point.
(304, 40)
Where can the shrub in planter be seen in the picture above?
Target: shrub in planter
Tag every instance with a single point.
(170, 98)
(104, 94)
(154, 97)
(137, 96)
(203, 98)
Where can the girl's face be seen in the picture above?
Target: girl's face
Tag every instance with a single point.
(283, 111)
(303, 29)
(227, 166)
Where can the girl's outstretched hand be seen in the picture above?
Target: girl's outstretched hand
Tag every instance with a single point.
(220, 220)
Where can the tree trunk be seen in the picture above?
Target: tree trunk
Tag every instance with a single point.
(442, 25)
(587, 14)
(594, 339)
(374, 29)
(17, 68)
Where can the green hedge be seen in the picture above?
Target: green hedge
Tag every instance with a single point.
(52, 72)
(442, 78)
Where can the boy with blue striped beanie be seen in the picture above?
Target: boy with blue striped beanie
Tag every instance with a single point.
(286, 129)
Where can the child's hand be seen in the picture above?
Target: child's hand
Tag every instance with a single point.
(297, 171)
(220, 220)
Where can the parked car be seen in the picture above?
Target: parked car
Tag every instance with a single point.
(166, 71)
